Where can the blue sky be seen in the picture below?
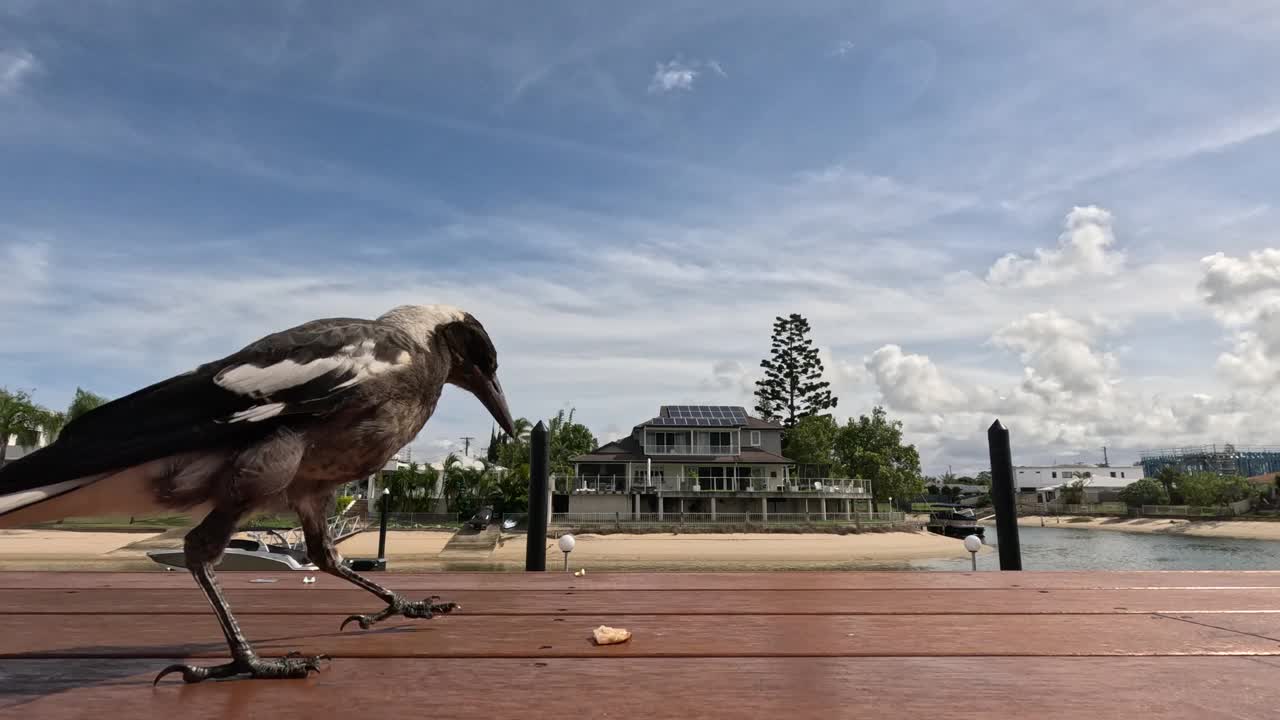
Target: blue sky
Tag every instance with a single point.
(1062, 216)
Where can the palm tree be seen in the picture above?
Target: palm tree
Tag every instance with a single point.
(52, 421)
(19, 418)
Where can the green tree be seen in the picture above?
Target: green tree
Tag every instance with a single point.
(83, 402)
(872, 448)
(567, 439)
(792, 386)
(491, 452)
(812, 442)
(983, 478)
(1171, 478)
(1210, 490)
(1147, 491)
(412, 488)
(1073, 493)
(20, 418)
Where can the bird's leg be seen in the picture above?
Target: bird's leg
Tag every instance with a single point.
(322, 552)
(203, 547)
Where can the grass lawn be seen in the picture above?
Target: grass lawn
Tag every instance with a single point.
(160, 523)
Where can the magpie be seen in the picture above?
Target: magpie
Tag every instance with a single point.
(279, 425)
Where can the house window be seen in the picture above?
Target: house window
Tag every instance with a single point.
(755, 438)
(1113, 473)
(1055, 474)
(1121, 474)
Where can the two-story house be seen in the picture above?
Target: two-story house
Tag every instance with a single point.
(704, 459)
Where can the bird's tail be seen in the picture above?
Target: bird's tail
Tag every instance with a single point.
(35, 481)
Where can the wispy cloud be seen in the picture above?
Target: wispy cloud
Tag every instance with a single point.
(843, 48)
(680, 74)
(16, 66)
(672, 75)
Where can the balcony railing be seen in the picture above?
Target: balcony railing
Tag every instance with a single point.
(610, 484)
(694, 449)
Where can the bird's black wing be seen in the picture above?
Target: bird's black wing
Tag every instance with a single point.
(291, 376)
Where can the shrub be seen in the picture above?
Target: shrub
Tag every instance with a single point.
(1146, 491)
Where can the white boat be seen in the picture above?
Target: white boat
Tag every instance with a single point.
(255, 554)
(242, 554)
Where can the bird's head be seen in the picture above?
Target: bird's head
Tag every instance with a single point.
(473, 361)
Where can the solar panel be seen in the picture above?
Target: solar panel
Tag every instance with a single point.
(701, 415)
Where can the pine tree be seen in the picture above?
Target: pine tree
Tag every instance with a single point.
(792, 386)
(492, 454)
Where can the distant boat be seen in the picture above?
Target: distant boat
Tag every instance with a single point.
(953, 521)
(242, 554)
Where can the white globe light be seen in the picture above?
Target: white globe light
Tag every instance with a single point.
(566, 543)
(973, 543)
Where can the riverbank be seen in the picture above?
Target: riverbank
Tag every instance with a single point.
(1239, 529)
(424, 550)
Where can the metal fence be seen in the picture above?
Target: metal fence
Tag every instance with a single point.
(1118, 508)
(624, 520)
(609, 484)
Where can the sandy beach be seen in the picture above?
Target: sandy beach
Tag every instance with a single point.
(426, 551)
(1242, 529)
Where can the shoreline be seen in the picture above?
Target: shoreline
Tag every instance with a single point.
(1237, 529)
(424, 550)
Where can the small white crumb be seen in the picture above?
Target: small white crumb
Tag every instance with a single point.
(308, 579)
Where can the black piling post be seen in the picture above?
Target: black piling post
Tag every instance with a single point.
(535, 552)
(1003, 497)
(382, 528)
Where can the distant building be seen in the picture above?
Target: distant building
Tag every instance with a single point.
(1225, 459)
(1043, 483)
(704, 459)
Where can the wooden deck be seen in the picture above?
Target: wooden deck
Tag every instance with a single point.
(735, 645)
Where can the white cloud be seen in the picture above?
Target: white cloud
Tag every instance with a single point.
(15, 67)
(1229, 281)
(1244, 293)
(1058, 353)
(1084, 249)
(673, 75)
(844, 48)
(912, 382)
(679, 74)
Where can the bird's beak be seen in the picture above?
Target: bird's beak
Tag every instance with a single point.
(490, 394)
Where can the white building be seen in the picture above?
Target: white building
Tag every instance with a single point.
(1101, 482)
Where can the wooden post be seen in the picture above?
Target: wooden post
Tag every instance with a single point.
(1003, 497)
(535, 551)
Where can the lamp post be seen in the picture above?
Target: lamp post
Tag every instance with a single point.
(382, 529)
(566, 543)
(973, 544)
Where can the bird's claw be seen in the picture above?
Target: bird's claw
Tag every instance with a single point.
(293, 665)
(422, 610)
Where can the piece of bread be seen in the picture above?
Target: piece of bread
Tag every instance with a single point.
(606, 635)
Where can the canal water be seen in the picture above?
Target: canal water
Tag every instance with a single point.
(1051, 548)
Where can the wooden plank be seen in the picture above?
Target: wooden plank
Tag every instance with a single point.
(337, 597)
(1046, 688)
(1265, 625)
(656, 636)
(790, 581)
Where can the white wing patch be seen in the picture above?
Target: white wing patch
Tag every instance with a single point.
(258, 412)
(13, 501)
(357, 360)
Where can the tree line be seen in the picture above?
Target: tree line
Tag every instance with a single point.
(792, 392)
(501, 479)
(26, 420)
(1171, 486)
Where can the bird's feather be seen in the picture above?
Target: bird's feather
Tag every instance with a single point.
(292, 376)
